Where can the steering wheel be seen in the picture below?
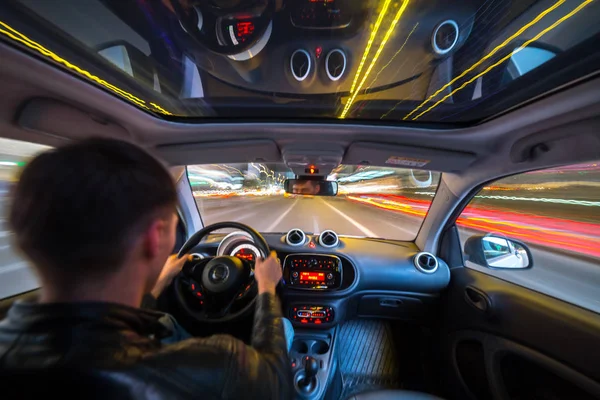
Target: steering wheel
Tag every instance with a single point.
(218, 289)
(206, 21)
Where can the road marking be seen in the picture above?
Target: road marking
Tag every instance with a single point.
(281, 217)
(315, 226)
(352, 221)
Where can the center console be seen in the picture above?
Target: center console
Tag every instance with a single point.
(312, 285)
(313, 362)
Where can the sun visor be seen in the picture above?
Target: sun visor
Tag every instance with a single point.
(55, 118)
(259, 150)
(381, 154)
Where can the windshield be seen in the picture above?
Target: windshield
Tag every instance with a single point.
(376, 202)
(392, 61)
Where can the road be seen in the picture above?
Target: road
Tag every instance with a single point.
(15, 277)
(278, 214)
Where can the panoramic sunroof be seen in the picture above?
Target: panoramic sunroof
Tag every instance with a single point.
(384, 60)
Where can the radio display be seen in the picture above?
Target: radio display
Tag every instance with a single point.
(312, 271)
(314, 277)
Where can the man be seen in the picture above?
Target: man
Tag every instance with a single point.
(306, 187)
(97, 221)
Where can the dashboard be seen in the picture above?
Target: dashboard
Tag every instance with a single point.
(329, 278)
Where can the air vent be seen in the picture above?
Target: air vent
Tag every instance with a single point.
(300, 64)
(328, 239)
(196, 256)
(426, 262)
(295, 237)
(445, 37)
(335, 64)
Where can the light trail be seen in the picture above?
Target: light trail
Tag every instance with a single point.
(504, 59)
(23, 39)
(370, 43)
(374, 60)
(489, 55)
(580, 237)
(393, 57)
(537, 199)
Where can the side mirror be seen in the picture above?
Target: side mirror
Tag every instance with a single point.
(498, 252)
(311, 187)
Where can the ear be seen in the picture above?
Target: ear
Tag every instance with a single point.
(152, 238)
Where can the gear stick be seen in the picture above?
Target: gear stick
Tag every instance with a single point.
(311, 367)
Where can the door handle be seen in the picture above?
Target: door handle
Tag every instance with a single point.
(478, 299)
(390, 302)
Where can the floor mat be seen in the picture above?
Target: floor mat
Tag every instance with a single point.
(367, 357)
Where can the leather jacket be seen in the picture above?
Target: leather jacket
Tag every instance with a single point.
(104, 350)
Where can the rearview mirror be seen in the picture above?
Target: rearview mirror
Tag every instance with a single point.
(314, 187)
(498, 252)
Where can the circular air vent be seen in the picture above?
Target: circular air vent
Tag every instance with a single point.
(328, 239)
(300, 64)
(335, 64)
(196, 256)
(445, 37)
(426, 262)
(295, 237)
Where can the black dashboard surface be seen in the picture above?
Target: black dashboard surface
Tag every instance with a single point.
(385, 282)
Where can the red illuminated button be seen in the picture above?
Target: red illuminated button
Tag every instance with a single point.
(295, 274)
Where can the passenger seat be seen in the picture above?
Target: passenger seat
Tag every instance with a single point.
(394, 395)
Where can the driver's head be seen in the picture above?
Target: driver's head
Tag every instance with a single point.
(306, 187)
(93, 209)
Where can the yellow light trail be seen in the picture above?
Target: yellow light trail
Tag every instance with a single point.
(374, 60)
(370, 43)
(393, 57)
(490, 54)
(21, 38)
(491, 67)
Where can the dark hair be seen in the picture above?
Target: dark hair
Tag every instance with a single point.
(78, 207)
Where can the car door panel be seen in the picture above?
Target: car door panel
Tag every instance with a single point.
(552, 343)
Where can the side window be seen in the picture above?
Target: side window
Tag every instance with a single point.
(540, 230)
(15, 276)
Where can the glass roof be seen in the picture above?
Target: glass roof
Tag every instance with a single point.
(392, 61)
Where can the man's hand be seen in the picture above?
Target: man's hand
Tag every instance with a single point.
(169, 272)
(267, 273)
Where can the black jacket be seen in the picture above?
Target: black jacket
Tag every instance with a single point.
(102, 350)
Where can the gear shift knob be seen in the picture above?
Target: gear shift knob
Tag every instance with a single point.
(311, 368)
(308, 382)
